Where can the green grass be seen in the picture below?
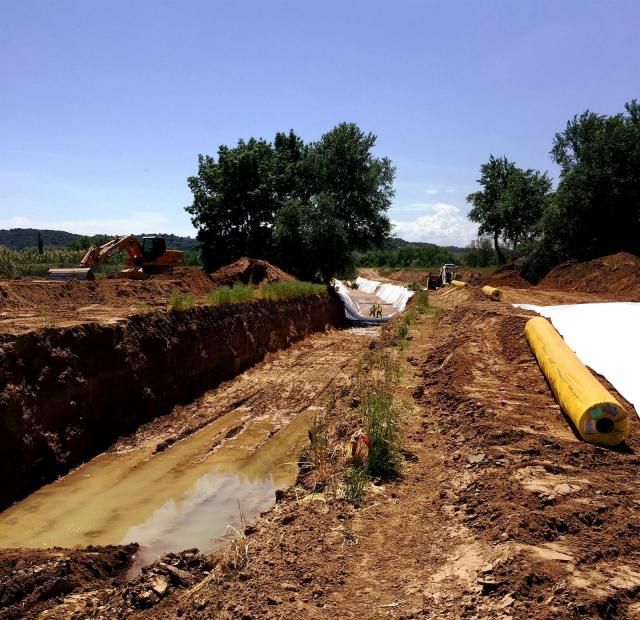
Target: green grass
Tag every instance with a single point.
(276, 290)
(289, 288)
(29, 263)
(230, 294)
(356, 481)
(181, 301)
(382, 426)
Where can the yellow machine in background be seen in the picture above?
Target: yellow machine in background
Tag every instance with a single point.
(146, 259)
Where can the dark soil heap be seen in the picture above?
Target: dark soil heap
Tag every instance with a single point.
(617, 276)
(249, 271)
(508, 275)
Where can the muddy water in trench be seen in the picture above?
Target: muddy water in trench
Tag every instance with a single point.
(184, 497)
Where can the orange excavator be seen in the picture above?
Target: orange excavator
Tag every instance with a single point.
(146, 259)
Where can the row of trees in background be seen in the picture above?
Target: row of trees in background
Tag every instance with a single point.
(407, 256)
(594, 211)
(306, 206)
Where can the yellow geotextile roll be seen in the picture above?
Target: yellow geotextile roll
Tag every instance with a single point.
(458, 283)
(494, 293)
(596, 414)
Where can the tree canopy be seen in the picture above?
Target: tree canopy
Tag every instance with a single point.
(510, 203)
(596, 210)
(306, 206)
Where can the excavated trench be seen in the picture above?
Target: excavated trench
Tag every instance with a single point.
(67, 394)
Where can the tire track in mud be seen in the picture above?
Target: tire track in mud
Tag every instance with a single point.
(285, 382)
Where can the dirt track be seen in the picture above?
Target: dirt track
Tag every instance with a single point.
(501, 512)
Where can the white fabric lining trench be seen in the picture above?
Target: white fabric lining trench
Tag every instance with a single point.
(605, 336)
(393, 294)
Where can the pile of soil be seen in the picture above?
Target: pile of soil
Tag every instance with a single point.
(31, 578)
(508, 275)
(26, 294)
(473, 277)
(616, 276)
(249, 271)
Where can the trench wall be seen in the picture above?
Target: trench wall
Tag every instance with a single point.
(67, 394)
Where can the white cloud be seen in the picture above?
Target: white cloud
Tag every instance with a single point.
(17, 221)
(442, 223)
(138, 222)
(432, 191)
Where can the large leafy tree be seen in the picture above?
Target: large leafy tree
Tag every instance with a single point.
(510, 203)
(342, 166)
(236, 197)
(307, 206)
(596, 210)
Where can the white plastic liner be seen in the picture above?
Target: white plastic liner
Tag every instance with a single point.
(351, 306)
(368, 286)
(605, 336)
(392, 294)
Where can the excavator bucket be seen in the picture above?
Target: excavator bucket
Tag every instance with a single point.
(78, 273)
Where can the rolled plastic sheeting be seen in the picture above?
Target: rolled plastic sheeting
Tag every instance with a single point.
(596, 414)
(459, 283)
(493, 293)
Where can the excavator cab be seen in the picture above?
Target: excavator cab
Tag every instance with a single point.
(153, 248)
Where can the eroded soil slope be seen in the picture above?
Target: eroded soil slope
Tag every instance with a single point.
(66, 394)
(616, 276)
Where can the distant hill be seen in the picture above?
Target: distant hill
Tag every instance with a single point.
(22, 238)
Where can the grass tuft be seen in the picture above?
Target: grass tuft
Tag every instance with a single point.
(230, 294)
(356, 481)
(181, 301)
(382, 426)
(289, 288)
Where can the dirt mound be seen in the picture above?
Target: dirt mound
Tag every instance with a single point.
(30, 578)
(249, 271)
(41, 295)
(473, 277)
(508, 275)
(616, 276)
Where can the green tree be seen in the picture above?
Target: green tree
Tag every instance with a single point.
(596, 210)
(480, 253)
(342, 166)
(309, 207)
(510, 204)
(40, 244)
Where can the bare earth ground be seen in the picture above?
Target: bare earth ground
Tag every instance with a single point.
(500, 511)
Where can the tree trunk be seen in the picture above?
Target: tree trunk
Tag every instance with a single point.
(500, 256)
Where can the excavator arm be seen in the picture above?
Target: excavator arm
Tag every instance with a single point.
(98, 254)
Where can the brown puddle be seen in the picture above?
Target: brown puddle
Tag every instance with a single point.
(186, 496)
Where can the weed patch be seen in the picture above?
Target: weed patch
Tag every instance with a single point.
(230, 294)
(181, 301)
(356, 481)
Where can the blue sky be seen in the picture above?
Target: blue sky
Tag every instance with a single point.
(104, 106)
